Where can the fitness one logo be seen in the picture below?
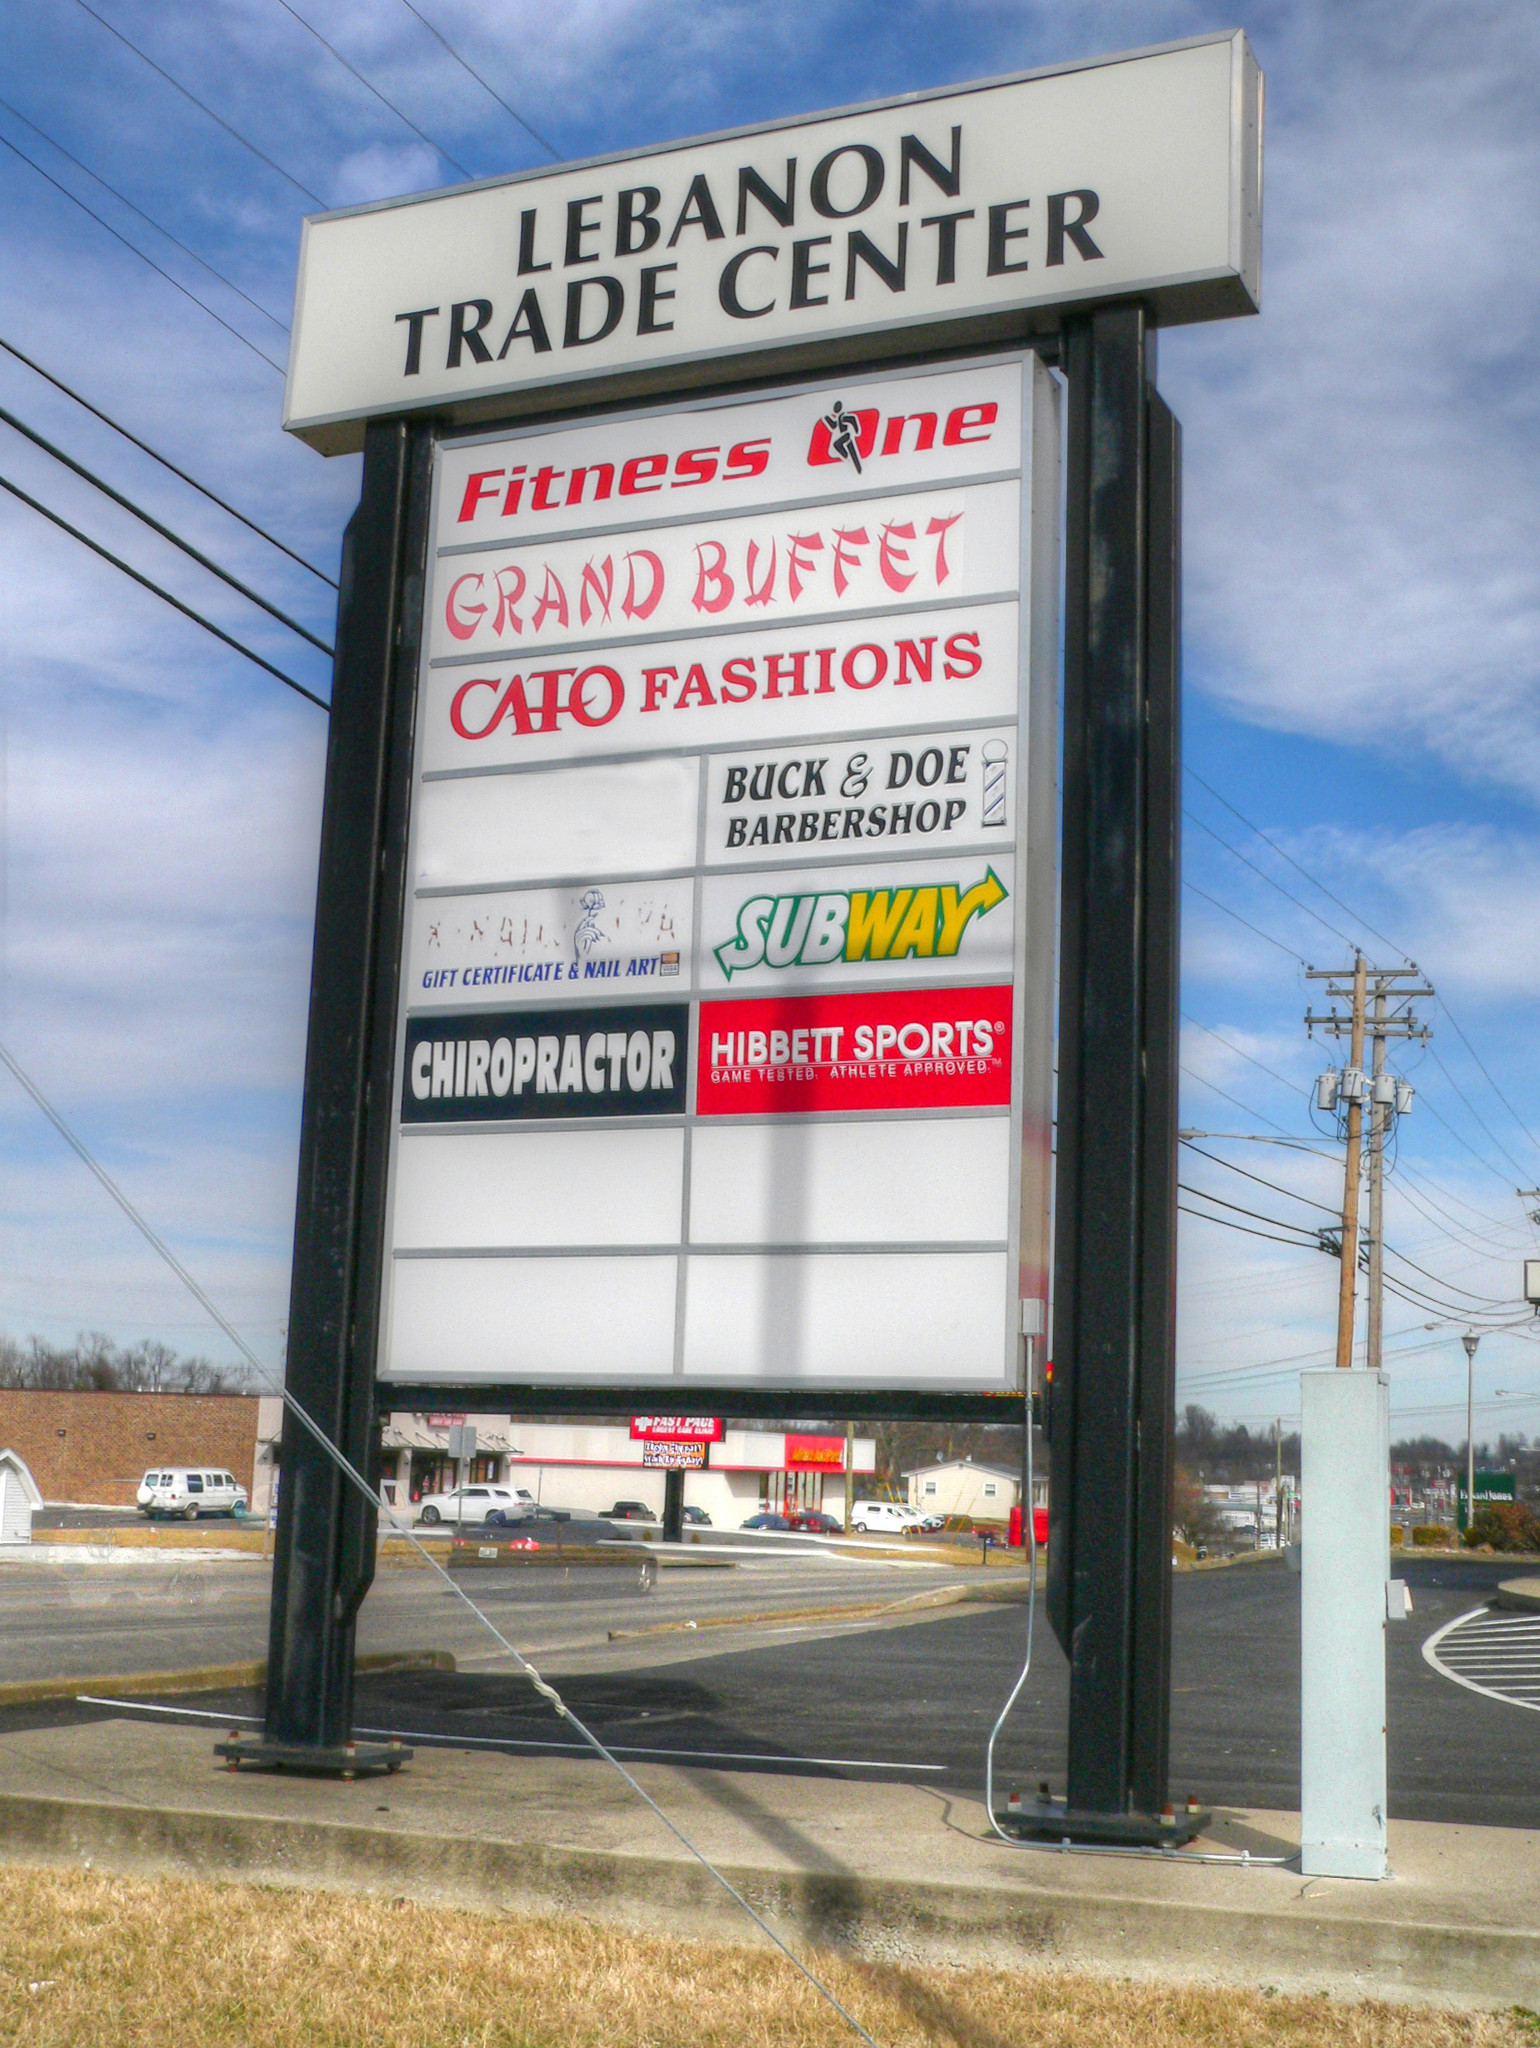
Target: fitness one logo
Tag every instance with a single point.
(818, 929)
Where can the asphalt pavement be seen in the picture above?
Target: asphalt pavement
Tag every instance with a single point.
(907, 1697)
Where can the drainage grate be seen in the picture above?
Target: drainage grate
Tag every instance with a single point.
(1494, 1654)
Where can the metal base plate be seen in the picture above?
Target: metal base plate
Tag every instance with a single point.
(1051, 1820)
(347, 1760)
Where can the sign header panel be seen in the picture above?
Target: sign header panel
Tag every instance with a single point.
(966, 215)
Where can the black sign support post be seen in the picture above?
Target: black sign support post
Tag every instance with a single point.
(324, 1559)
(1109, 1546)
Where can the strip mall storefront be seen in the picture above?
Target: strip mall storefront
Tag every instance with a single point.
(585, 1468)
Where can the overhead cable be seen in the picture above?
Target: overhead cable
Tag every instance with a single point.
(1225, 1223)
(1480, 1120)
(165, 532)
(1233, 1099)
(1263, 875)
(75, 200)
(1231, 1046)
(1277, 1186)
(1299, 958)
(474, 73)
(1356, 916)
(351, 1472)
(123, 200)
(202, 106)
(1310, 1236)
(164, 460)
(176, 603)
(1373, 930)
(354, 71)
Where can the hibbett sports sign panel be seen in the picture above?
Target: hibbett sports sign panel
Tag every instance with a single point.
(724, 935)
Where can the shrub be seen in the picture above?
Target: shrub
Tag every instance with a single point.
(1430, 1533)
(1505, 1525)
(1397, 1534)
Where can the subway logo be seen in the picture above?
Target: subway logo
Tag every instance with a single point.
(815, 930)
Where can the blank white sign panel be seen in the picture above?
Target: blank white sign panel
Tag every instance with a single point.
(500, 1188)
(508, 1319)
(841, 1321)
(727, 981)
(851, 1183)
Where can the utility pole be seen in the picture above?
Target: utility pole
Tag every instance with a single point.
(850, 1475)
(1387, 1097)
(1278, 1482)
(1470, 1340)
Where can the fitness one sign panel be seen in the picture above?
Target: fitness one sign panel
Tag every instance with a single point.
(731, 861)
(964, 213)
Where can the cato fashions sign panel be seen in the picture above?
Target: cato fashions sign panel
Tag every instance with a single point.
(729, 954)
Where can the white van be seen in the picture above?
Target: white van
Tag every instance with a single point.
(191, 1491)
(885, 1518)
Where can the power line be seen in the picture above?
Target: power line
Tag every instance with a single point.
(1310, 1236)
(1225, 1224)
(202, 107)
(465, 66)
(1507, 1105)
(1233, 1099)
(1360, 919)
(124, 200)
(1299, 958)
(1356, 916)
(176, 603)
(76, 200)
(1482, 1125)
(165, 532)
(1262, 873)
(1230, 1046)
(1277, 1186)
(164, 461)
(354, 71)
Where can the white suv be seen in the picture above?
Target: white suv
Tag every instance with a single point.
(498, 1504)
(191, 1492)
(885, 1518)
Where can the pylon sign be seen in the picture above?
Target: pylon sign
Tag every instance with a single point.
(725, 991)
(727, 980)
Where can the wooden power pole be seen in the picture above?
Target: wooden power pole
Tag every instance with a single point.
(1379, 1090)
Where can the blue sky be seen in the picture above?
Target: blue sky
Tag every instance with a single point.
(1363, 605)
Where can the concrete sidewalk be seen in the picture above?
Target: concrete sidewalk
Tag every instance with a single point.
(883, 1870)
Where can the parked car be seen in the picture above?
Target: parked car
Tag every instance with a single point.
(191, 1492)
(475, 1504)
(628, 1511)
(931, 1523)
(523, 1509)
(811, 1522)
(885, 1518)
(766, 1522)
(697, 1518)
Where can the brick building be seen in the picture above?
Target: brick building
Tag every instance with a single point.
(96, 1447)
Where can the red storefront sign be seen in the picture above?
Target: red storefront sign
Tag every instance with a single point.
(946, 1048)
(676, 1429)
(822, 1451)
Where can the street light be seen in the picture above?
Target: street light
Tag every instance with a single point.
(1470, 1340)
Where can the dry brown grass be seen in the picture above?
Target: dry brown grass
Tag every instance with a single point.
(88, 1961)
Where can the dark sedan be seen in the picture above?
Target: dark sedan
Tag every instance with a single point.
(765, 1522)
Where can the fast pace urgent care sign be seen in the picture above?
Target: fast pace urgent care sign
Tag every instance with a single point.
(725, 999)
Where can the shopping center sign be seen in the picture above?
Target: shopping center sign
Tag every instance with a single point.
(960, 217)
